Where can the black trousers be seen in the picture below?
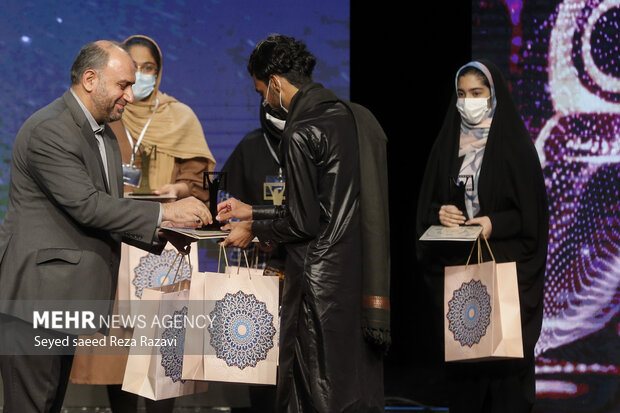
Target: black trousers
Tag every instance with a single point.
(35, 381)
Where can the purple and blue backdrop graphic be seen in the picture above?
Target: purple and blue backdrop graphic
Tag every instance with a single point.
(562, 60)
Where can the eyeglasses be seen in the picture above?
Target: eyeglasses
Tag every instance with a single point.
(147, 68)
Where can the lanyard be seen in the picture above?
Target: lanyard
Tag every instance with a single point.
(273, 154)
(134, 148)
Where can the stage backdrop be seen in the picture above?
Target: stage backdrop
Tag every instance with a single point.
(205, 46)
(562, 59)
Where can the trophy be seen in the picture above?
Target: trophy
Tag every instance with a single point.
(145, 160)
(214, 185)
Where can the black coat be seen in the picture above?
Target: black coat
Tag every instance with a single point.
(325, 363)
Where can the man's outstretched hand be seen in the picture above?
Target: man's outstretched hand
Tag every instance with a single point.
(187, 212)
(233, 208)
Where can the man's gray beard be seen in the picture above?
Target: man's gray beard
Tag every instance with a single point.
(112, 116)
(100, 106)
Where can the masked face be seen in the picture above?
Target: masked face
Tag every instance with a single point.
(144, 86)
(270, 101)
(474, 96)
(473, 110)
(146, 73)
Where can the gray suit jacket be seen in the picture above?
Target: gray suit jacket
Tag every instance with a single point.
(60, 239)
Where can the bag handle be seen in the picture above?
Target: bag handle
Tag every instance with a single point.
(477, 242)
(247, 263)
(219, 258)
(176, 274)
(255, 256)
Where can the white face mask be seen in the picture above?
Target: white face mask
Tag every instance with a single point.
(278, 123)
(144, 86)
(265, 102)
(473, 110)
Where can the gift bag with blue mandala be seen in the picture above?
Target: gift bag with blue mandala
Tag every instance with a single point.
(140, 269)
(240, 344)
(482, 319)
(155, 361)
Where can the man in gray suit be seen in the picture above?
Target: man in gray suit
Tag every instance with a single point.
(60, 239)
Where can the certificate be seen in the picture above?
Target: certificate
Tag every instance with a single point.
(198, 233)
(460, 233)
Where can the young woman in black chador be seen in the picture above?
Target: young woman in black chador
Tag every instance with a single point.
(484, 170)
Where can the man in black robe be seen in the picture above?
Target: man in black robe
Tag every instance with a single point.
(335, 305)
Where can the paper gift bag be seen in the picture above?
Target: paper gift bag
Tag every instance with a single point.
(140, 269)
(241, 342)
(155, 359)
(482, 319)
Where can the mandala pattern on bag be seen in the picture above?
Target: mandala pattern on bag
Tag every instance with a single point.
(153, 269)
(242, 331)
(172, 355)
(469, 313)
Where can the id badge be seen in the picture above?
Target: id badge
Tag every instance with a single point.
(131, 175)
(273, 189)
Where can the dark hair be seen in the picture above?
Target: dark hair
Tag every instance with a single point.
(471, 70)
(284, 56)
(92, 56)
(141, 41)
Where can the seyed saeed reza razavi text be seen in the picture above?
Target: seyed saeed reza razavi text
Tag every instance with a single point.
(141, 341)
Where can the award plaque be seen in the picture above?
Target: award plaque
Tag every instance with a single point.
(213, 182)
